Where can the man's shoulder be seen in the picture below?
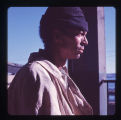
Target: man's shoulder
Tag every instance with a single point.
(32, 71)
(41, 68)
(32, 67)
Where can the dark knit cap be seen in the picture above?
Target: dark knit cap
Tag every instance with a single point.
(65, 17)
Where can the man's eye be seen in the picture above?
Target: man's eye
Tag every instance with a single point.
(82, 33)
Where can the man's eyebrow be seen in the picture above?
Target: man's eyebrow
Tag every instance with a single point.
(83, 32)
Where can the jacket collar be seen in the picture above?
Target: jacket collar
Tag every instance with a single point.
(50, 67)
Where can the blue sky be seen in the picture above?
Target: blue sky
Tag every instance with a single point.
(23, 34)
(110, 37)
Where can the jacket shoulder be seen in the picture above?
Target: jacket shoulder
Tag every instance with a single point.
(38, 71)
(31, 72)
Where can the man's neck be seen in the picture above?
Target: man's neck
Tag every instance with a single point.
(56, 58)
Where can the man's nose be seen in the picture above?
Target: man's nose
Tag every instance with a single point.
(85, 41)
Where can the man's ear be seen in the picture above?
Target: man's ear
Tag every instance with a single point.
(57, 37)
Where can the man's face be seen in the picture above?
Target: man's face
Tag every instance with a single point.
(74, 42)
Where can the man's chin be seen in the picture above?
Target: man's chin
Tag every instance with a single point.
(76, 57)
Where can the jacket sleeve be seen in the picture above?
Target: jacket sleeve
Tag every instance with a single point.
(23, 93)
(29, 93)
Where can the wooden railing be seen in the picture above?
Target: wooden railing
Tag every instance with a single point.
(110, 92)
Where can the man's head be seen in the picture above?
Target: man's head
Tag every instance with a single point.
(60, 27)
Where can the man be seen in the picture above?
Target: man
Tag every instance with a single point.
(43, 86)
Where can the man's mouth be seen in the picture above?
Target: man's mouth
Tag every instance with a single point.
(80, 51)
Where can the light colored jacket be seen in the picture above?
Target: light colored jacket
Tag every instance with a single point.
(40, 88)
